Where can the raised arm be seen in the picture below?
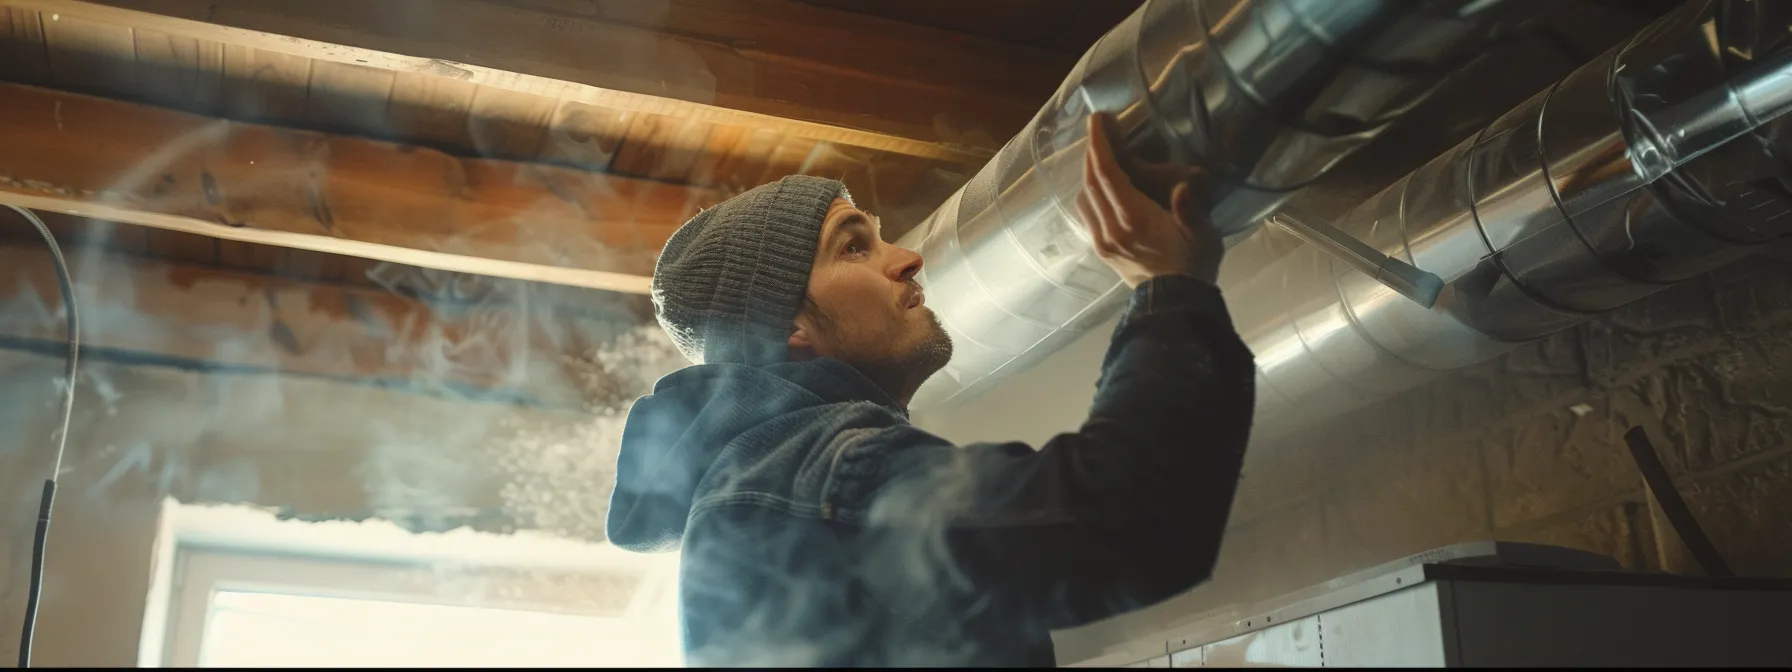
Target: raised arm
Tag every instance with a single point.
(1126, 511)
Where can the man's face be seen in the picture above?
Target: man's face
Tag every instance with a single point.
(865, 308)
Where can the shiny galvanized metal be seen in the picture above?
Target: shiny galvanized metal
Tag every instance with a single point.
(1268, 94)
(1653, 163)
(1657, 161)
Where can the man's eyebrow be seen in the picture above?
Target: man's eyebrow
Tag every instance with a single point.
(856, 220)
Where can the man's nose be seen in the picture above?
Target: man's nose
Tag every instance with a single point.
(905, 264)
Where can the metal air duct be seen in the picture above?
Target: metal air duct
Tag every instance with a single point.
(1268, 93)
(1653, 163)
(1658, 161)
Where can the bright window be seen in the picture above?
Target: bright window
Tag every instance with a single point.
(246, 629)
(236, 587)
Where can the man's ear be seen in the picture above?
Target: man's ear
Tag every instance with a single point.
(802, 346)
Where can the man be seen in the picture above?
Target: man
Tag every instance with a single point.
(818, 527)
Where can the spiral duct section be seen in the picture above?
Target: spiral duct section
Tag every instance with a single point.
(1660, 160)
(1268, 94)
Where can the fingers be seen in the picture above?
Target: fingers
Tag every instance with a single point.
(1106, 170)
(1097, 211)
(1189, 206)
(1097, 235)
(1085, 209)
(1182, 205)
(1196, 177)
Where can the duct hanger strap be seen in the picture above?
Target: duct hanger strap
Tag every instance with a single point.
(1412, 282)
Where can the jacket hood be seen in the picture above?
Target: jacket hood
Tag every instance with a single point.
(674, 436)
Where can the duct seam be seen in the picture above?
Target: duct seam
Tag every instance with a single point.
(1555, 196)
(1154, 112)
(1496, 255)
(1238, 82)
(1291, 64)
(1363, 332)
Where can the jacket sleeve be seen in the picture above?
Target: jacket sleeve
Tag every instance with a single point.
(1123, 513)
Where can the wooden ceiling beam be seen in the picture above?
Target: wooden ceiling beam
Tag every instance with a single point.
(149, 166)
(146, 310)
(805, 70)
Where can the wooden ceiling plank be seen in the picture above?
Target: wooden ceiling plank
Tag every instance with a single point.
(662, 148)
(431, 110)
(585, 136)
(1028, 22)
(792, 156)
(150, 166)
(684, 141)
(69, 232)
(315, 266)
(742, 168)
(220, 317)
(723, 144)
(262, 85)
(883, 185)
(694, 139)
(173, 245)
(875, 83)
(509, 124)
(857, 45)
(893, 182)
(22, 46)
(251, 255)
(354, 270)
(180, 72)
(835, 162)
(129, 239)
(342, 97)
(91, 56)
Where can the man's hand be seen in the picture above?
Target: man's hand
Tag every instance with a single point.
(1133, 234)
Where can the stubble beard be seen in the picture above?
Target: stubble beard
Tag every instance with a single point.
(934, 351)
(896, 371)
(904, 376)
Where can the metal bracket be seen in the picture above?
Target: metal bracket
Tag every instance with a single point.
(1421, 286)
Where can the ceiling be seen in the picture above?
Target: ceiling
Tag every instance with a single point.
(1062, 25)
(219, 79)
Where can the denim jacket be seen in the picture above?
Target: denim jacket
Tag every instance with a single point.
(819, 527)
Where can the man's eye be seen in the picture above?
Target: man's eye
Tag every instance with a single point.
(855, 248)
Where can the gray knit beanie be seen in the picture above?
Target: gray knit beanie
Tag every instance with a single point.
(730, 282)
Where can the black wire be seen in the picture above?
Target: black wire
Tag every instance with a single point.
(66, 284)
(37, 572)
(1673, 506)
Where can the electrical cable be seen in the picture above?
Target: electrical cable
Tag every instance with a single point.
(1673, 506)
(66, 284)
